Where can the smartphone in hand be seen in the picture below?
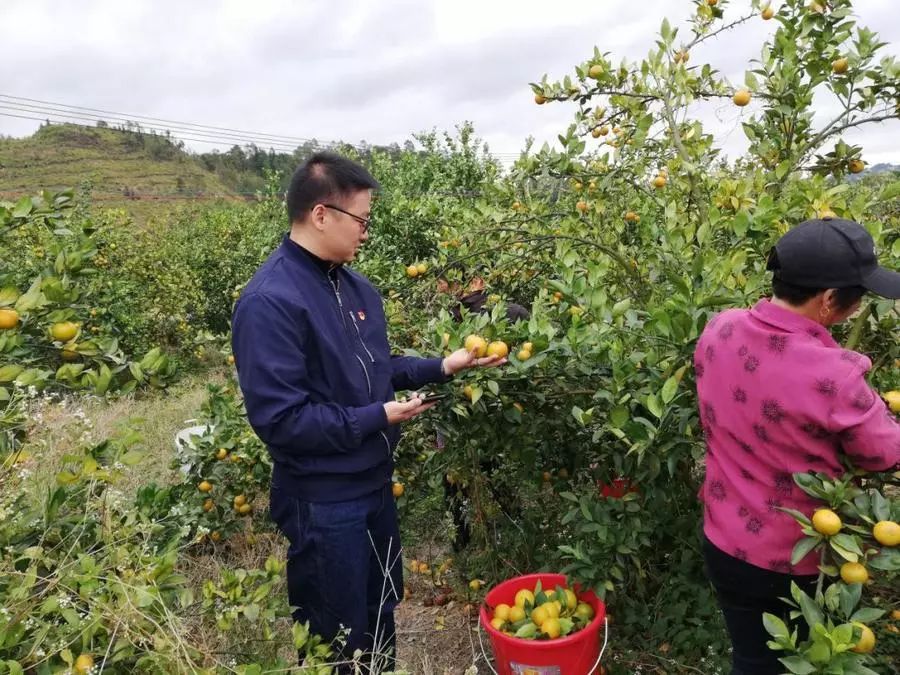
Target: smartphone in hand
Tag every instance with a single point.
(430, 397)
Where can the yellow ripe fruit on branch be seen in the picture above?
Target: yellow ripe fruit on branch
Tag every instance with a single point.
(477, 344)
(741, 97)
(9, 318)
(498, 348)
(840, 66)
(827, 522)
(893, 397)
(866, 641)
(64, 331)
(854, 573)
(83, 664)
(886, 533)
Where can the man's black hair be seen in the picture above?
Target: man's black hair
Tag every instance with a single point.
(323, 177)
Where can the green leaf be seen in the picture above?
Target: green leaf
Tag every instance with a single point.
(669, 389)
(666, 31)
(132, 457)
(22, 208)
(494, 387)
(867, 615)
(529, 630)
(819, 652)
(775, 626)
(783, 169)
(887, 560)
(252, 612)
(798, 665)
(881, 507)
(848, 542)
(618, 416)
(811, 611)
(802, 548)
(850, 596)
(841, 551)
(654, 406)
(621, 307)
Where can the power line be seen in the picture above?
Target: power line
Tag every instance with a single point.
(278, 137)
(190, 131)
(196, 136)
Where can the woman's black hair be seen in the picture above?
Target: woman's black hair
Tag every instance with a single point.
(797, 295)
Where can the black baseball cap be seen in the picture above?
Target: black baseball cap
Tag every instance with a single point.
(833, 253)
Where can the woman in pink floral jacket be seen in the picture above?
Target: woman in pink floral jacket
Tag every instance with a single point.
(779, 396)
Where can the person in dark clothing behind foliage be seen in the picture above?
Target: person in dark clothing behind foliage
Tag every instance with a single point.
(318, 378)
(474, 301)
(779, 396)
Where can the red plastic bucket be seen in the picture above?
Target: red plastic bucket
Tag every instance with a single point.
(576, 654)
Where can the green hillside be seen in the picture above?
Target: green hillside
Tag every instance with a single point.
(134, 170)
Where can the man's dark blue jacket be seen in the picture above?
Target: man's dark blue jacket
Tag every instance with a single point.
(314, 365)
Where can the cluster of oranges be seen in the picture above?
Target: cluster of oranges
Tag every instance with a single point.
(886, 532)
(416, 270)
(541, 615)
(61, 331)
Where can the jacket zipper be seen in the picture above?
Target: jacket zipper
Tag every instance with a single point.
(359, 335)
(337, 294)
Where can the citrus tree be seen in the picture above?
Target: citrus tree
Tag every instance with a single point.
(51, 331)
(624, 241)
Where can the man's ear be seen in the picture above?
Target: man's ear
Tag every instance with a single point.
(317, 216)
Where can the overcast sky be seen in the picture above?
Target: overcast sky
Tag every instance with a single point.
(354, 70)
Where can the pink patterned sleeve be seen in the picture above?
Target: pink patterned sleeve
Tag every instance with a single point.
(869, 433)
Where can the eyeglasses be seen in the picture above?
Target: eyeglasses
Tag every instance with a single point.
(365, 222)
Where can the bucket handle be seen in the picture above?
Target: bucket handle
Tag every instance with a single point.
(487, 659)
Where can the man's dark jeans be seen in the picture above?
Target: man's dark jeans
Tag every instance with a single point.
(344, 568)
(745, 592)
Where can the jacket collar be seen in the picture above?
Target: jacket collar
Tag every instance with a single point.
(299, 254)
(789, 321)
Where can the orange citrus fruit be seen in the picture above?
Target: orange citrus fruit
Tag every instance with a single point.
(741, 97)
(498, 348)
(827, 522)
(477, 344)
(854, 573)
(64, 331)
(886, 533)
(9, 318)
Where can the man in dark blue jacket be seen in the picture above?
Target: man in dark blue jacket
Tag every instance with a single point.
(310, 344)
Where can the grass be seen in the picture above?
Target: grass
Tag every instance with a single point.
(432, 640)
(118, 163)
(62, 426)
